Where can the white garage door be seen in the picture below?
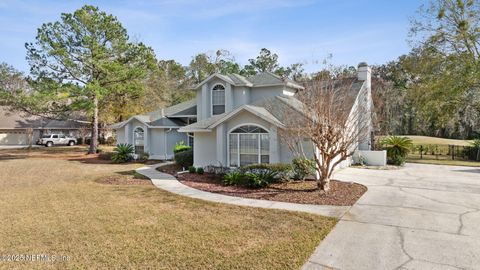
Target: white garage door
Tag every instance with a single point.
(13, 137)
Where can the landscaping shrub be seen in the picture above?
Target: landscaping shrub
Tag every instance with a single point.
(259, 179)
(218, 170)
(233, 178)
(80, 141)
(144, 157)
(302, 167)
(200, 170)
(181, 147)
(123, 153)
(184, 159)
(475, 145)
(110, 141)
(397, 149)
(280, 171)
(191, 169)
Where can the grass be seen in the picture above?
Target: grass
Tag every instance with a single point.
(442, 160)
(53, 205)
(417, 140)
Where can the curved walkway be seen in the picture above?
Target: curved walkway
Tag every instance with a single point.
(169, 183)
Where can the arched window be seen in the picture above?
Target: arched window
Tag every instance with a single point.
(218, 99)
(138, 140)
(248, 145)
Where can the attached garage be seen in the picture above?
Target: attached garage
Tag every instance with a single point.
(13, 137)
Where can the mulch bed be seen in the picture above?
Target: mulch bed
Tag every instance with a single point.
(304, 192)
(127, 179)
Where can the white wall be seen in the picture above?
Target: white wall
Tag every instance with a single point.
(205, 149)
(371, 158)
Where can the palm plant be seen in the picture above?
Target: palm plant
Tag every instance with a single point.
(397, 148)
(476, 145)
(123, 153)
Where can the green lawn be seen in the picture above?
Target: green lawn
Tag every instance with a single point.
(442, 160)
(434, 140)
(51, 203)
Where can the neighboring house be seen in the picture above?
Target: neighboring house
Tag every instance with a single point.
(17, 129)
(233, 121)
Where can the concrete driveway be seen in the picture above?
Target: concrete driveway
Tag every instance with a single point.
(417, 217)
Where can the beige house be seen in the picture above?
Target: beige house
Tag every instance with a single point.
(21, 129)
(233, 121)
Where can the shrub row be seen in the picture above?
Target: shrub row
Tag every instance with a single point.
(261, 175)
(198, 170)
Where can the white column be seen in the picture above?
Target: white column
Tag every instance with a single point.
(205, 102)
(274, 145)
(128, 135)
(228, 98)
(221, 145)
(146, 140)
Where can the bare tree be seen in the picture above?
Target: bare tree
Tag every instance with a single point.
(332, 113)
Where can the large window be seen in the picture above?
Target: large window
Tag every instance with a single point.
(218, 99)
(249, 145)
(138, 140)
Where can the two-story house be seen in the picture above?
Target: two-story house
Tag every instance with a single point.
(233, 121)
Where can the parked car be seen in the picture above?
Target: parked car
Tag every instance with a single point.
(50, 140)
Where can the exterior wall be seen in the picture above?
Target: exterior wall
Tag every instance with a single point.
(173, 137)
(158, 142)
(205, 149)
(260, 93)
(121, 135)
(286, 155)
(241, 96)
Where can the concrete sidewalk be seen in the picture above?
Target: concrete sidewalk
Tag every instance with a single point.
(418, 217)
(169, 183)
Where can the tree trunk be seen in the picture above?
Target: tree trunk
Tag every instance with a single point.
(94, 138)
(323, 184)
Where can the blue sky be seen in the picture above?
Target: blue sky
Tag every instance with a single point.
(305, 31)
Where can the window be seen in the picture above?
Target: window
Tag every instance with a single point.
(190, 139)
(248, 145)
(218, 99)
(138, 136)
(55, 136)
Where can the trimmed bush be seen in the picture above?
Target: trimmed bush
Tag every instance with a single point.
(123, 153)
(181, 147)
(184, 159)
(200, 170)
(302, 168)
(191, 169)
(80, 141)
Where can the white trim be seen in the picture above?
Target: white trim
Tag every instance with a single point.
(239, 109)
(211, 98)
(238, 141)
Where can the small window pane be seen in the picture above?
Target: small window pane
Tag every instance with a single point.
(233, 150)
(218, 109)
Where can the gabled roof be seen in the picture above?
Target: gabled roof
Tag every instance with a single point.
(208, 124)
(259, 80)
